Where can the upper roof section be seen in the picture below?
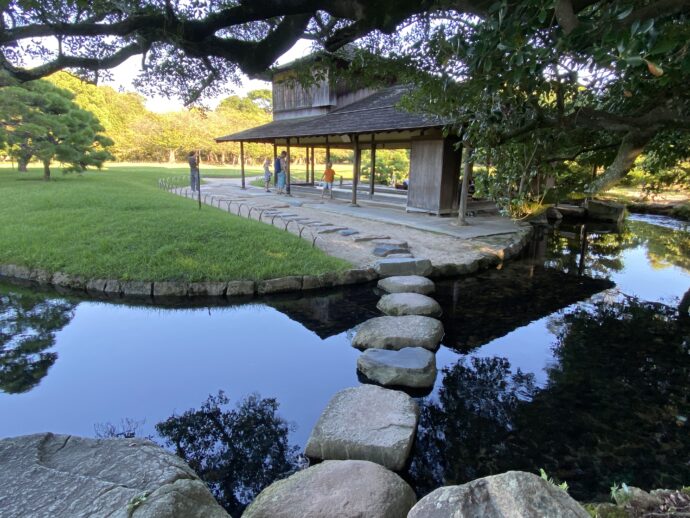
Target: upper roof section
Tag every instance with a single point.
(377, 112)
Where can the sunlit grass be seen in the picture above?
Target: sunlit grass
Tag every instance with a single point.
(116, 223)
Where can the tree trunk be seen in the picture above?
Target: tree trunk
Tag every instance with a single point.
(684, 306)
(22, 164)
(467, 172)
(46, 169)
(631, 147)
(171, 156)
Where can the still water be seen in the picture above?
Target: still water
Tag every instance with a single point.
(573, 359)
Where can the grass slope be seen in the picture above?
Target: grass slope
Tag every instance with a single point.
(118, 224)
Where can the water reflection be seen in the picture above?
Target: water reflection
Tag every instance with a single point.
(614, 408)
(28, 323)
(236, 451)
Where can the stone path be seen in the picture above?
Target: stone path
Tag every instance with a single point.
(362, 235)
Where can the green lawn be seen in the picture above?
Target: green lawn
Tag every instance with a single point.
(116, 223)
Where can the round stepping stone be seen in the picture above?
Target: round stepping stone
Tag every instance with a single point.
(413, 367)
(407, 284)
(398, 304)
(399, 332)
(366, 423)
(342, 488)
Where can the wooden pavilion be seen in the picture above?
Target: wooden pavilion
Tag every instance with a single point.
(328, 115)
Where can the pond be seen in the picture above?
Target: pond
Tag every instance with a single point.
(573, 359)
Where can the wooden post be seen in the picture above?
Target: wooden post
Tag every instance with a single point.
(328, 150)
(306, 164)
(312, 165)
(466, 173)
(372, 169)
(275, 155)
(242, 162)
(355, 170)
(287, 167)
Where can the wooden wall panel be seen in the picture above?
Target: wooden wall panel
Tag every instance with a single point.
(434, 173)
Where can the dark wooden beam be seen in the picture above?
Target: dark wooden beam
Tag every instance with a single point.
(242, 163)
(355, 170)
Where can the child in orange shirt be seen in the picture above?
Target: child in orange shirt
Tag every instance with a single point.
(328, 177)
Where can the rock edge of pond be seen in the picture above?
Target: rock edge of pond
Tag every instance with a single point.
(498, 249)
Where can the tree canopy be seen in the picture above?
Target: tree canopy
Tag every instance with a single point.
(40, 120)
(539, 84)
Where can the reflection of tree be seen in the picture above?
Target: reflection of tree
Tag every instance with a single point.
(665, 246)
(615, 408)
(236, 452)
(463, 435)
(28, 323)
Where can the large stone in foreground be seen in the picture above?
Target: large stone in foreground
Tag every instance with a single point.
(407, 284)
(366, 423)
(400, 304)
(511, 494)
(398, 332)
(47, 475)
(413, 367)
(403, 266)
(342, 488)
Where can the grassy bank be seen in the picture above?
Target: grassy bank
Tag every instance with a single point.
(118, 224)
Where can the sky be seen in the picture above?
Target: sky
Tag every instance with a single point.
(124, 74)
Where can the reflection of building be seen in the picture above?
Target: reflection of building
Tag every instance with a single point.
(493, 303)
(333, 114)
(329, 313)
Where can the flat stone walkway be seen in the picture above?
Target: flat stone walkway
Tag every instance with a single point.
(353, 233)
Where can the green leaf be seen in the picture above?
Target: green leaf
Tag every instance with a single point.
(634, 61)
(625, 13)
(633, 28)
(646, 26)
(662, 47)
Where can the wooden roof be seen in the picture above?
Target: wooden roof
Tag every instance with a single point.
(376, 113)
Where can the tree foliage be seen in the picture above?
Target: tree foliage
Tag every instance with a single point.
(238, 451)
(569, 80)
(40, 120)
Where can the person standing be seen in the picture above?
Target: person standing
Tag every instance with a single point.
(328, 177)
(280, 170)
(194, 179)
(267, 173)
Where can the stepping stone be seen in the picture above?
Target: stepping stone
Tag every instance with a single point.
(407, 284)
(330, 230)
(514, 493)
(386, 250)
(399, 304)
(280, 206)
(404, 256)
(399, 332)
(393, 242)
(295, 203)
(348, 232)
(342, 488)
(401, 266)
(362, 238)
(319, 224)
(413, 367)
(366, 423)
